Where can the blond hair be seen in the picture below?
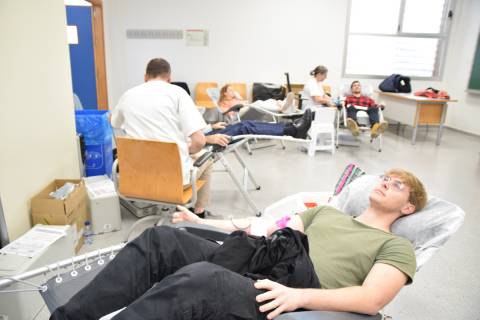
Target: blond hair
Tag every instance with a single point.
(418, 195)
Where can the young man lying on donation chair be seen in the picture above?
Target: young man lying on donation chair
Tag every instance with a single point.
(353, 264)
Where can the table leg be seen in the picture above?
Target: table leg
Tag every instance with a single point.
(415, 124)
(440, 127)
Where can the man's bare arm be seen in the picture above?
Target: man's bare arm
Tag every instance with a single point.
(379, 288)
(197, 142)
(231, 225)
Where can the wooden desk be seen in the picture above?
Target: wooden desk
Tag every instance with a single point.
(414, 111)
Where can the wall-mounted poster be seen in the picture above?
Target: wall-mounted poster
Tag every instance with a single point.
(196, 37)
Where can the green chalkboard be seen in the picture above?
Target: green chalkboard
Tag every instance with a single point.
(474, 82)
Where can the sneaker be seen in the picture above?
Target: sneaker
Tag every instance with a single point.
(378, 129)
(289, 102)
(353, 127)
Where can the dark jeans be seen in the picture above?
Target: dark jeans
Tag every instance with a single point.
(162, 275)
(372, 114)
(252, 127)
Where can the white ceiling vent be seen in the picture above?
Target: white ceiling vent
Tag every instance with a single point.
(164, 34)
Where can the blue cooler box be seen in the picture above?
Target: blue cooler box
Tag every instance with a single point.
(97, 132)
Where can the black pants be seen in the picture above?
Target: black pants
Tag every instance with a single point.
(162, 275)
(372, 114)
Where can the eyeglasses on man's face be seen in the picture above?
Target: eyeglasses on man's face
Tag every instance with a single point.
(396, 184)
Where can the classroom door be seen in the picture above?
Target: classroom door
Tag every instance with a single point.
(87, 57)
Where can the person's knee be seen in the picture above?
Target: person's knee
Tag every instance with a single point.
(203, 274)
(155, 235)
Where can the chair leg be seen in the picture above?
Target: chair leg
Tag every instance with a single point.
(244, 193)
(249, 174)
(249, 149)
(313, 143)
(332, 144)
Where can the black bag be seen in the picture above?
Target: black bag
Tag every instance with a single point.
(265, 91)
(396, 83)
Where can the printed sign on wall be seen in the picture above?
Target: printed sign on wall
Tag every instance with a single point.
(196, 37)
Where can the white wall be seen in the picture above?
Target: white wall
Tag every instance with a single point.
(254, 40)
(37, 128)
(250, 40)
(465, 114)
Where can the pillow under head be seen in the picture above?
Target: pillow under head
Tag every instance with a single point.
(427, 229)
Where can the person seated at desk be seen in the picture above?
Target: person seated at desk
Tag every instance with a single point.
(357, 99)
(297, 129)
(229, 98)
(354, 265)
(313, 92)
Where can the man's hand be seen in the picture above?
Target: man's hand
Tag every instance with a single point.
(219, 125)
(283, 299)
(220, 139)
(185, 215)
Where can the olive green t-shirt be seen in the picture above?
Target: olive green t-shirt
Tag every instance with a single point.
(343, 250)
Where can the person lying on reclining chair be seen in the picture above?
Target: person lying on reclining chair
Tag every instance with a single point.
(229, 98)
(357, 99)
(167, 273)
(296, 129)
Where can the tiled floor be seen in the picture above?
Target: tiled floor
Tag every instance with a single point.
(448, 287)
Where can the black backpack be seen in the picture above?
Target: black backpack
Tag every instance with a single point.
(396, 83)
(265, 91)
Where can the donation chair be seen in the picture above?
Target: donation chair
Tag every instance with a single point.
(151, 171)
(253, 113)
(362, 116)
(428, 230)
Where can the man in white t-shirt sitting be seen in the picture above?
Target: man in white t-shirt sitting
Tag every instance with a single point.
(313, 92)
(158, 110)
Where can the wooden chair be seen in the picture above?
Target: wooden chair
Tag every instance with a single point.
(151, 171)
(241, 88)
(201, 97)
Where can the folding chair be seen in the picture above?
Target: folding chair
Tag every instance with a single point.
(258, 111)
(151, 171)
(201, 97)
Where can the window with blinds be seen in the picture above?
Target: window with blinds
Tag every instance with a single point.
(396, 36)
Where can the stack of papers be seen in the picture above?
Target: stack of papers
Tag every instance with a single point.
(99, 186)
(34, 241)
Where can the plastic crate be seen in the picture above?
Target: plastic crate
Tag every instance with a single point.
(97, 133)
(98, 159)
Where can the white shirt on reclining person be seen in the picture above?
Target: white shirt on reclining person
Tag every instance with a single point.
(158, 110)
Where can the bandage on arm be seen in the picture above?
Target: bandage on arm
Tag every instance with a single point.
(259, 227)
(282, 222)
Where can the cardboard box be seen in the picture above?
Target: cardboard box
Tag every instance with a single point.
(72, 211)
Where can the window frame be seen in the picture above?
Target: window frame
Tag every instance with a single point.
(443, 37)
